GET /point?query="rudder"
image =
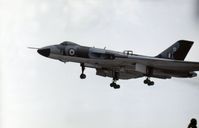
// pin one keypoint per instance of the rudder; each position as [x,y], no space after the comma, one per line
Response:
[178,51]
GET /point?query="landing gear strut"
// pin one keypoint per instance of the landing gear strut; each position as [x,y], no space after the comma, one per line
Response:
[149,82]
[82,76]
[115,79]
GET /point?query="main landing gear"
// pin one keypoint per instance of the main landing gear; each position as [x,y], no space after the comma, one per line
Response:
[114,85]
[82,76]
[115,79]
[149,82]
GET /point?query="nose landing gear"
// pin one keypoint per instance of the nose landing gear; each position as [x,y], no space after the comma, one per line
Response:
[149,82]
[82,76]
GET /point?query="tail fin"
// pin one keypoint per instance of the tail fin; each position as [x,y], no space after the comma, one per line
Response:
[177,51]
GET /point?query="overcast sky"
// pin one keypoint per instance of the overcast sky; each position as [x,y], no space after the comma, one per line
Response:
[37,92]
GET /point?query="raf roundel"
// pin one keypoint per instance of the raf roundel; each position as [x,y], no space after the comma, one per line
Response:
[71,52]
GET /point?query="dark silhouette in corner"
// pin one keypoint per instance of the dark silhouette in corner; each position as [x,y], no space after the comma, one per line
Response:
[192,123]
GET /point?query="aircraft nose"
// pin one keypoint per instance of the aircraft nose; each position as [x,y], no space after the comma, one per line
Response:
[44,52]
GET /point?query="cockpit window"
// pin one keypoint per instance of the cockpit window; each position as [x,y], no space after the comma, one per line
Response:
[128,52]
[67,43]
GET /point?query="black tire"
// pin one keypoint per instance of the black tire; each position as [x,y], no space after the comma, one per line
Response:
[82,76]
[116,86]
[146,81]
[112,85]
[151,83]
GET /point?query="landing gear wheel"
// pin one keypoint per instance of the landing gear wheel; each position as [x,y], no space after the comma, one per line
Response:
[114,85]
[151,83]
[82,76]
[148,82]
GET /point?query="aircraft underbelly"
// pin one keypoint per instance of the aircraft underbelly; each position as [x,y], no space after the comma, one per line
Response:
[122,74]
[126,69]
[104,67]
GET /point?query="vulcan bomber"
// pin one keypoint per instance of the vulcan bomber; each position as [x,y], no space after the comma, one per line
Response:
[126,65]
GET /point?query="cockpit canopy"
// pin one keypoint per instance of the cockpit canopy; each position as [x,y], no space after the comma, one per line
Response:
[128,52]
[68,43]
